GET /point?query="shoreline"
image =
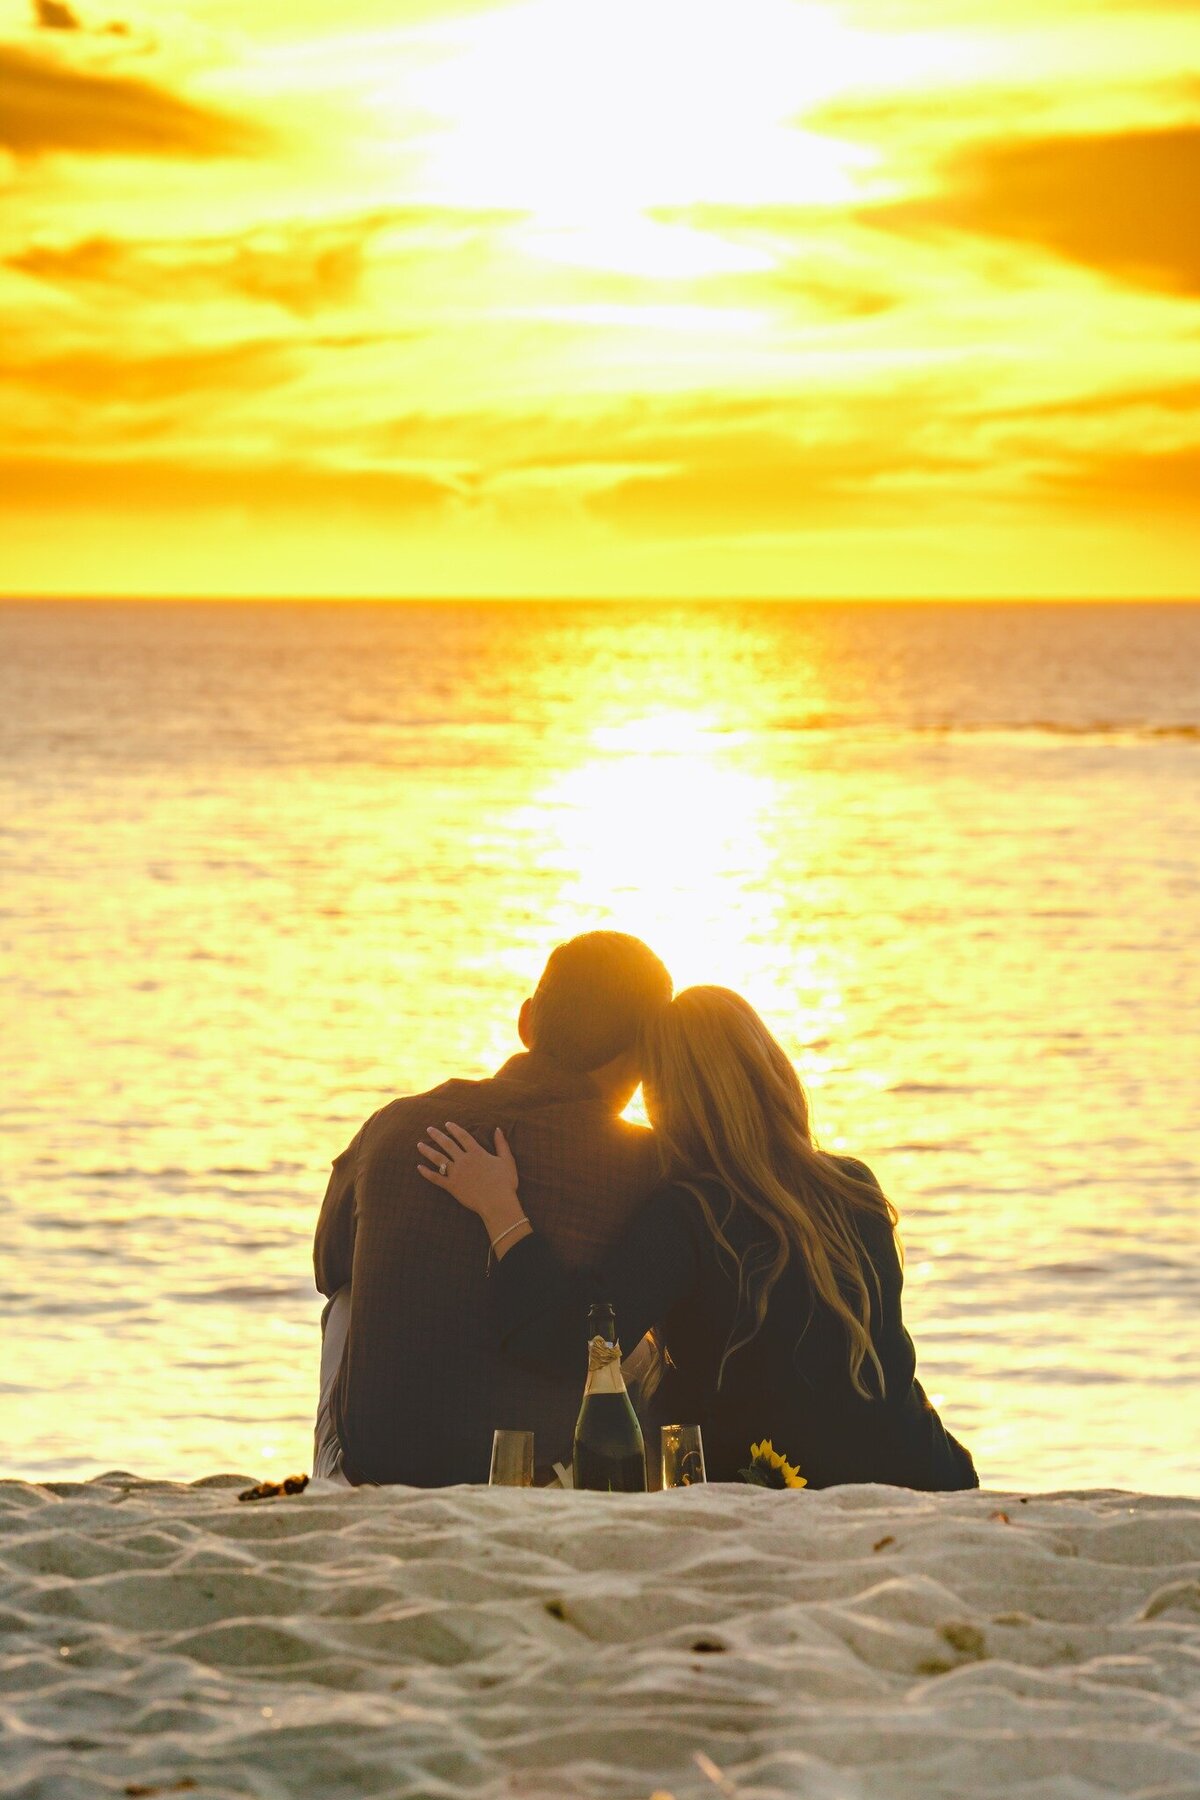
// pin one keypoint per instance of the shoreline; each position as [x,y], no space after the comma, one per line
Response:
[859,1643]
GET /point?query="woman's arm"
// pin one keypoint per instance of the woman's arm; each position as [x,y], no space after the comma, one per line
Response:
[539,1307]
[484,1184]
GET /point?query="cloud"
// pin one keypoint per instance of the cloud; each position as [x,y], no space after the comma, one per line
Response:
[665,471]
[842,299]
[52,15]
[711,467]
[808,247]
[102,378]
[47,107]
[1132,480]
[1123,203]
[300,266]
[158,485]
[302,271]
[897,117]
[762,481]
[762,467]
[99,260]
[1172,398]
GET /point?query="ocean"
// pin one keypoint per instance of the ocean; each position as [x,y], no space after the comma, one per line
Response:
[265,866]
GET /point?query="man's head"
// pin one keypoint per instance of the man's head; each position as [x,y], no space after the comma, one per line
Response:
[596,994]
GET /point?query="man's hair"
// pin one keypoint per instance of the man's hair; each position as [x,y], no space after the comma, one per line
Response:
[596,995]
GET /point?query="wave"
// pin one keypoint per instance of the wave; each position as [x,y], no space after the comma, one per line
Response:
[1105,731]
[131,1172]
[1100,730]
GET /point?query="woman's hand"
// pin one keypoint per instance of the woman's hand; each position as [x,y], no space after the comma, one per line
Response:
[483,1183]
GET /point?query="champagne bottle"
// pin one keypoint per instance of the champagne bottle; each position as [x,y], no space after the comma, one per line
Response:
[609,1453]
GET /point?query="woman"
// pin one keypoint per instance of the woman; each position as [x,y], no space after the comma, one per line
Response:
[768,1270]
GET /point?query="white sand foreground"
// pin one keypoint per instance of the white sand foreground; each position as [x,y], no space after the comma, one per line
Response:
[861,1644]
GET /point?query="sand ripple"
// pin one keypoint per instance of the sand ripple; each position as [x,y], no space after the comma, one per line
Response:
[862,1644]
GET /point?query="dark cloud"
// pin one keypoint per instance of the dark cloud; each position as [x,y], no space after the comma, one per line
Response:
[712,467]
[1124,203]
[302,272]
[157,485]
[1133,480]
[842,299]
[702,470]
[302,267]
[302,278]
[113,378]
[46,106]
[767,481]
[52,15]
[1173,398]
[925,449]
[685,469]
[94,260]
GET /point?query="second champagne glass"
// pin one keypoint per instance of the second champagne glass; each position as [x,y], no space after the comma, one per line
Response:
[682,1456]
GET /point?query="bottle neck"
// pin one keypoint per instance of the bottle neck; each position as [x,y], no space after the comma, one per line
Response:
[602,1322]
[604,1368]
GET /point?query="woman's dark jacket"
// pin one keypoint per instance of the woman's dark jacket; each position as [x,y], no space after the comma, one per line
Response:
[790,1383]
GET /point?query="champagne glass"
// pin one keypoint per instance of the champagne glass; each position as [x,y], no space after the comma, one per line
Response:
[512,1459]
[682,1456]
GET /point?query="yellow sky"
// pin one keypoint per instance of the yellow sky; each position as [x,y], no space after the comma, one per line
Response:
[600,297]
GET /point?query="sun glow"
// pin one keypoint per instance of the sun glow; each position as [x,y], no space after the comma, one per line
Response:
[658,831]
[632,244]
[588,123]
[662,830]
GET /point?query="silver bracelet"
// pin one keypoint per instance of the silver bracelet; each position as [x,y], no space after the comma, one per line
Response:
[500,1237]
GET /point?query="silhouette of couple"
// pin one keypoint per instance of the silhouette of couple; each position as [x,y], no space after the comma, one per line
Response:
[465,1232]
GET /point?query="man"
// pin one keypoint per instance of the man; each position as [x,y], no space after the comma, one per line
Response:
[412,1384]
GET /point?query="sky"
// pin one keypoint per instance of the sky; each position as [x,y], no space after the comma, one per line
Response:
[642,298]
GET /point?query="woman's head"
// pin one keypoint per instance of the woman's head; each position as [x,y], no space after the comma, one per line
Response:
[727,1106]
[717,1085]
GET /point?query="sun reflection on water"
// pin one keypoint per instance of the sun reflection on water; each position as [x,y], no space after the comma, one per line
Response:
[228,946]
[667,829]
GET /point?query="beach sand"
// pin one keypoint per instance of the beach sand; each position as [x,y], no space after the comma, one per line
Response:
[701,1644]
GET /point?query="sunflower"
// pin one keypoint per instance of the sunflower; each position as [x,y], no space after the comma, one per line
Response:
[771,1470]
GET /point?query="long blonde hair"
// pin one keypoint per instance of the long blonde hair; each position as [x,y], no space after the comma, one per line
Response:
[726,1104]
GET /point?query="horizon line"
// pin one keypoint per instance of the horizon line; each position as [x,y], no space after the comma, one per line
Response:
[515,599]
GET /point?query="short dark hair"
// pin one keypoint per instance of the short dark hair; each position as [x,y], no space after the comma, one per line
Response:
[596,994]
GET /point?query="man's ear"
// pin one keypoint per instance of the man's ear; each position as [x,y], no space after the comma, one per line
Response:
[523,1023]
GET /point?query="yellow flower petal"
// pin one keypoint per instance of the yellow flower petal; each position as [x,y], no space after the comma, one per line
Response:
[766,1454]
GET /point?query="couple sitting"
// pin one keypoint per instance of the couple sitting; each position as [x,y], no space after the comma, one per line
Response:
[766,1271]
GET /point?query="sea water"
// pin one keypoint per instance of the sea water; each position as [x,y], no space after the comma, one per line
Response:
[266,866]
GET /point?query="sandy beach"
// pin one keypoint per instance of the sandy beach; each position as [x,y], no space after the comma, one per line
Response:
[863,1642]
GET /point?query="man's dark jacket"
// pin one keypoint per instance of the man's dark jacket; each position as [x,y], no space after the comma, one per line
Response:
[422,1385]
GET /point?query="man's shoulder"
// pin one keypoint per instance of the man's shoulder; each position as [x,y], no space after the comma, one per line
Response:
[456,1088]
[493,1099]
[549,1123]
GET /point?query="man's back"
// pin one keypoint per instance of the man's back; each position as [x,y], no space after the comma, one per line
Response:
[422,1386]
